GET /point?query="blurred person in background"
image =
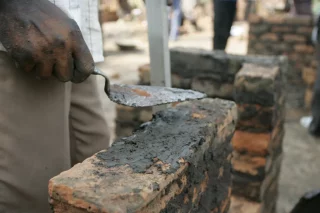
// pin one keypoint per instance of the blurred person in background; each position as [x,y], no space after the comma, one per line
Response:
[188,7]
[125,7]
[175,20]
[51,114]
[224,15]
[313,122]
[302,7]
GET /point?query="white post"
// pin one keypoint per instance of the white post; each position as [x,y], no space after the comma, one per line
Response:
[160,71]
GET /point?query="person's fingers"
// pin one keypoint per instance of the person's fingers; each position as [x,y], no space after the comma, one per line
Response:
[43,70]
[83,61]
[24,59]
[27,66]
[63,69]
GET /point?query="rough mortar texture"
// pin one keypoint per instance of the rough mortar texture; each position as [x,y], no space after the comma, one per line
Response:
[256,84]
[180,161]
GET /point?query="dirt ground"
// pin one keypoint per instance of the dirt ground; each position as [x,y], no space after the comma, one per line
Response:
[300,169]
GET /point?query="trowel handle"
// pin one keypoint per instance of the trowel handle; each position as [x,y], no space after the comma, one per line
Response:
[97,71]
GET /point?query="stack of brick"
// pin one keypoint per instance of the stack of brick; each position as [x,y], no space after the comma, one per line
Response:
[179,162]
[257,142]
[290,36]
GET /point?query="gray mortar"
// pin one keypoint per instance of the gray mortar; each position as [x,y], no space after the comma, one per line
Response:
[171,135]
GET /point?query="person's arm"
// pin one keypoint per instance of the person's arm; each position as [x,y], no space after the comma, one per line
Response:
[43,40]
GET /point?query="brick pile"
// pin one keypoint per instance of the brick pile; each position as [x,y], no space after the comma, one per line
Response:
[290,36]
[257,142]
[179,162]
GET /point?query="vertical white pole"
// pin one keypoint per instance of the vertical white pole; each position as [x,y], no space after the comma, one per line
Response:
[157,17]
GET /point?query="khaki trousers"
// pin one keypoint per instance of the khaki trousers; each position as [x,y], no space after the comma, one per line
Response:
[37,120]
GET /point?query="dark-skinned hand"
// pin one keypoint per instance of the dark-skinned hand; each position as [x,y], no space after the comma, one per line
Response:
[43,40]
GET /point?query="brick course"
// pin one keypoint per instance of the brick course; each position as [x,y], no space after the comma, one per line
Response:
[179,162]
[256,85]
[290,36]
[258,151]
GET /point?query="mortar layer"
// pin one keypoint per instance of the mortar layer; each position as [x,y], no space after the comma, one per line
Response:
[180,160]
[171,135]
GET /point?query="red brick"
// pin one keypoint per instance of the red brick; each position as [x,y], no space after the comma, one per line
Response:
[276,19]
[242,205]
[152,176]
[303,48]
[211,87]
[269,37]
[254,19]
[247,164]
[305,30]
[294,38]
[281,29]
[144,74]
[298,20]
[309,75]
[255,144]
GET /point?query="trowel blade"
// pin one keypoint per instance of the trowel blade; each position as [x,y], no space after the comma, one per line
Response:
[145,96]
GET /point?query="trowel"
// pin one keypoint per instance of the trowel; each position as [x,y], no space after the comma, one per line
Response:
[145,96]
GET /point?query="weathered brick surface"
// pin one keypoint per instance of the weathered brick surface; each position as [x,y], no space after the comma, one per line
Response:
[255,170]
[144,74]
[303,48]
[254,144]
[179,162]
[293,40]
[212,88]
[257,143]
[269,37]
[253,18]
[281,29]
[242,205]
[256,118]
[221,68]
[255,84]
[246,164]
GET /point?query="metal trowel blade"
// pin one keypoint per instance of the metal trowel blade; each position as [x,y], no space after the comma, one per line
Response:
[145,96]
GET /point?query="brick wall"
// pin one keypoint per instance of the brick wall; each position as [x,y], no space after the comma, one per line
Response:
[256,85]
[178,162]
[289,36]
[257,142]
